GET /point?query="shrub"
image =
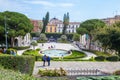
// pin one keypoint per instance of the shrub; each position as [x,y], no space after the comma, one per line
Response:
[39,41]
[62,39]
[38,49]
[100,58]
[35,53]
[38,58]
[23,64]
[57,35]
[55,72]
[6,74]
[43,37]
[8,51]
[112,58]
[31,52]
[117,72]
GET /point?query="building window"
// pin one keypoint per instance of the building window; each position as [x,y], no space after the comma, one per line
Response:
[59,30]
[73,27]
[55,29]
[50,29]
[69,31]
[73,31]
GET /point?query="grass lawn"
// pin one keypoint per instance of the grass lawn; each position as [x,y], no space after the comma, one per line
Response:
[98,53]
[75,56]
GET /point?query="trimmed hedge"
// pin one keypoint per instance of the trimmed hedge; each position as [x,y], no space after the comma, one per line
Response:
[100,58]
[24,64]
[112,58]
[34,53]
[58,35]
[8,51]
[21,48]
[7,74]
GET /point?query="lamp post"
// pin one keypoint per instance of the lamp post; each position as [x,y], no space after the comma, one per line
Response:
[5,33]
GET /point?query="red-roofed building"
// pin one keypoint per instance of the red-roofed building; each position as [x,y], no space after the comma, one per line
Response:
[37,25]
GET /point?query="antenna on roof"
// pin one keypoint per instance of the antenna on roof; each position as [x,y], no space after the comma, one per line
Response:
[116,12]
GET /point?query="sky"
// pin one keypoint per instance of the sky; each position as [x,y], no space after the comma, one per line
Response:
[79,10]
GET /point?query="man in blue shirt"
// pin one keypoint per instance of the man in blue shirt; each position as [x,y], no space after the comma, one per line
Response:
[44,59]
[48,60]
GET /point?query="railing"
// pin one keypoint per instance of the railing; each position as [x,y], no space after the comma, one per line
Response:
[83,72]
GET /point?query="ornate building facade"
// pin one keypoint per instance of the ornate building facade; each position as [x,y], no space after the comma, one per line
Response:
[56,26]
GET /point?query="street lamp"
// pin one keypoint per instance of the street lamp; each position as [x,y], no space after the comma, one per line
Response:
[6,32]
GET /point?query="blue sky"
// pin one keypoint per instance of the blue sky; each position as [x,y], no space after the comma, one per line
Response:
[79,10]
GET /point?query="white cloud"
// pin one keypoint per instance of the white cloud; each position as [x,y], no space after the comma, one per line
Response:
[50,4]
[12,6]
[66,4]
[44,3]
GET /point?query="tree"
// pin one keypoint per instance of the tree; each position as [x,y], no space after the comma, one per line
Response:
[103,36]
[63,39]
[17,25]
[76,37]
[45,22]
[114,37]
[65,22]
[81,31]
[34,43]
[43,37]
[110,38]
[89,26]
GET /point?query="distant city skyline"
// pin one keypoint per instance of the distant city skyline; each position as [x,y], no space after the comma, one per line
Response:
[79,10]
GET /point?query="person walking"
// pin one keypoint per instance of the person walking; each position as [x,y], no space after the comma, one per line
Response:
[44,60]
[48,60]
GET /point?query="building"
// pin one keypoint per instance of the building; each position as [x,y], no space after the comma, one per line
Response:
[52,25]
[37,25]
[22,40]
[56,26]
[51,28]
[112,20]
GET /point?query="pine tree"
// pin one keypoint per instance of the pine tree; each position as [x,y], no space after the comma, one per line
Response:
[45,22]
[65,22]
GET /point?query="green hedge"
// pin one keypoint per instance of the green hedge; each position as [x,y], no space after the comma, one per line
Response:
[58,35]
[39,41]
[21,48]
[100,58]
[112,58]
[31,52]
[8,51]
[34,53]
[98,53]
[7,74]
[24,64]
[117,72]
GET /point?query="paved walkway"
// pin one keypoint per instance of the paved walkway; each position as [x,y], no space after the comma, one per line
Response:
[108,67]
